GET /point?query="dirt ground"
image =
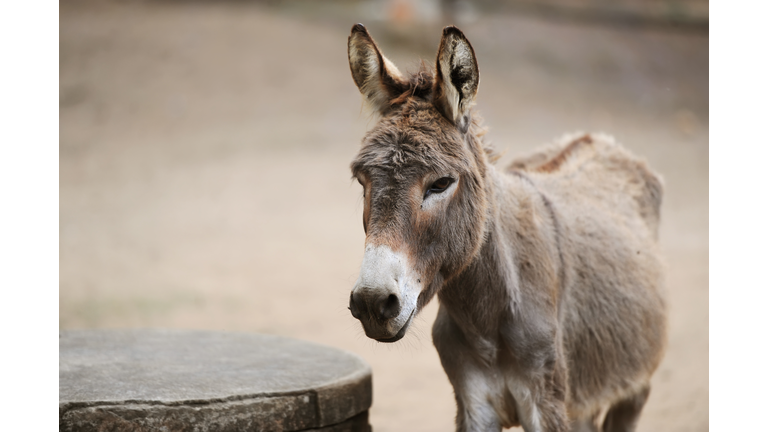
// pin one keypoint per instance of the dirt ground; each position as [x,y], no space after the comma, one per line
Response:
[204,179]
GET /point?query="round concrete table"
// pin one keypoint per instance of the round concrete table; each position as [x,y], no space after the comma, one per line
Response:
[208,381]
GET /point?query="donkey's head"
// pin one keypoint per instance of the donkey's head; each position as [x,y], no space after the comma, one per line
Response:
[423,172]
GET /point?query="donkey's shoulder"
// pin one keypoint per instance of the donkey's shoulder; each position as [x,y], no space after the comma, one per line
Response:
[596,164]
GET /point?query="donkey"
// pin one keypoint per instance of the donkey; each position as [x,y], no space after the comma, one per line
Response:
[547,273]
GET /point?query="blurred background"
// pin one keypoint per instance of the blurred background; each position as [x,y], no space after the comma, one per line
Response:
[205,149]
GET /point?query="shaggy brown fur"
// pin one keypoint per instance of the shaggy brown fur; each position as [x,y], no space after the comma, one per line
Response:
[548,275]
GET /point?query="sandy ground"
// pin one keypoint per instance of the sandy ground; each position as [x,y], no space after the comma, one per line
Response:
[204,178]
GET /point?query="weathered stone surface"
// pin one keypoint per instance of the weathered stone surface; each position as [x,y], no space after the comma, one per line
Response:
[358,423]
[207,381]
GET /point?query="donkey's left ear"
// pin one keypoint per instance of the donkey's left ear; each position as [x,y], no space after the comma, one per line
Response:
[457,78]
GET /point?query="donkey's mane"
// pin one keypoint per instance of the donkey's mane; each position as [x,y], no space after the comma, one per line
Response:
[418,84]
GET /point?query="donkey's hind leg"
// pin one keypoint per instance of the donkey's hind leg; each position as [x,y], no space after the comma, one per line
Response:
[624,414]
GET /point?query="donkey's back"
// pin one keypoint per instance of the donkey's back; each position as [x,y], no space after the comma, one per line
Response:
[597,169]
[607,205]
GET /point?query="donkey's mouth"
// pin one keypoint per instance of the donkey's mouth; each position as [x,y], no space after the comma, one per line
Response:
[402,330]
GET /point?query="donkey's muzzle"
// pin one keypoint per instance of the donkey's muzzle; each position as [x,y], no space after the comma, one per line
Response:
[371,305]
[384,297]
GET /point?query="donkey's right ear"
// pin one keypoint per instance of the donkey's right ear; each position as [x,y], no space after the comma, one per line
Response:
[377,78]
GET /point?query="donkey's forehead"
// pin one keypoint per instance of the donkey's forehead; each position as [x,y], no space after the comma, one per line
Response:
[412,139]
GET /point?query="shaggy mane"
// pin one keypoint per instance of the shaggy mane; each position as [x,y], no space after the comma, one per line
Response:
[419,85]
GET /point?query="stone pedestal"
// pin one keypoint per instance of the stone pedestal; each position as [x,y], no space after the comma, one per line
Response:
[148,380]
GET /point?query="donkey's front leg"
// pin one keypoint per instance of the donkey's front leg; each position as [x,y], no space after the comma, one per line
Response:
[477,387]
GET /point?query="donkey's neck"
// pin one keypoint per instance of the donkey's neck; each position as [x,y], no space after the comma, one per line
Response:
[520,233]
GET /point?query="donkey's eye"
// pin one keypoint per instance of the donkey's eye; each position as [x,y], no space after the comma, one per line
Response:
[439,186]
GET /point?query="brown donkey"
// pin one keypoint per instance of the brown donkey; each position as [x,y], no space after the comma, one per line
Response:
[548,275]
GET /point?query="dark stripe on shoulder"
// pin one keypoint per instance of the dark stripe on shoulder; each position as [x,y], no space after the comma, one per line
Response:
[555,226]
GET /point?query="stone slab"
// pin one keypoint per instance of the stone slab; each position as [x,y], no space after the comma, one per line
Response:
[198,380]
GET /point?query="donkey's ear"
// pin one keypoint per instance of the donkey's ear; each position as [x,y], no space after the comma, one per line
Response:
[457,77]
[377,78]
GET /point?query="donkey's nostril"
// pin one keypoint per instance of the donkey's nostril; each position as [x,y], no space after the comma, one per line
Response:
[353,307]
[381,307]
[389,307]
